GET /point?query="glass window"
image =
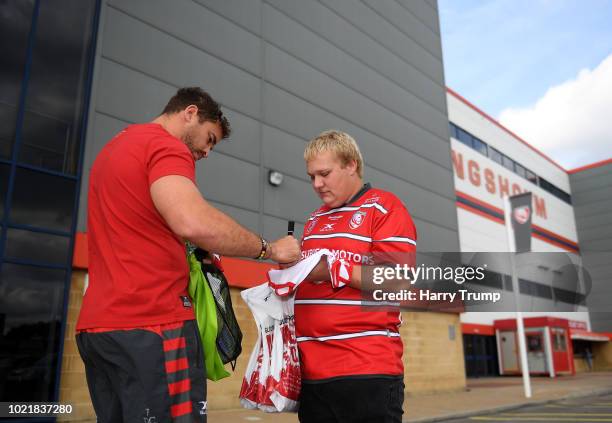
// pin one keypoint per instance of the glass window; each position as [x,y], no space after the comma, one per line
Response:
[15,22]
[453,130]
[54,103]
[5,171]
[559,343]
[531,176]
[37,247]
[534,343]
[42,200]
[520,170]
[479,146]
[464,137]
[495,155]
[31,309]
[507,162]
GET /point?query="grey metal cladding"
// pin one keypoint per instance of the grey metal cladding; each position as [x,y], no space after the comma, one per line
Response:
[586,175]
[194,24]
[281,108]
[597,180]
[130,95]
[598,231]
[230,181]
[284,70]
[596,245]
[411,93]
[431,237]
[407,23]
[594,221]
[137,46]
[591,209]
[244,13]
[352,40]
[293,200]
[585,196]
[378,28]
[420,202]
[274,228]
[284,151]
[247,218]
[424,12]
[321,90]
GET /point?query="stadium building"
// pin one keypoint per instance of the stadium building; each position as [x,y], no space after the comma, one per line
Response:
[490,162]
[79,71]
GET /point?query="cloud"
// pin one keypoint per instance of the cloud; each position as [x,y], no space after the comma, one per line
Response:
[571,121]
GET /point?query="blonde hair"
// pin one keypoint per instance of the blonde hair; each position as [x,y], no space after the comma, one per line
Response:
[340,143]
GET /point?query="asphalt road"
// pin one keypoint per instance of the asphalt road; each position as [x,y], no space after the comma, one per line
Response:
[588,409]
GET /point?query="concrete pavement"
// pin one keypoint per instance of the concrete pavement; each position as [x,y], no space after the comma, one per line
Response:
[481,395]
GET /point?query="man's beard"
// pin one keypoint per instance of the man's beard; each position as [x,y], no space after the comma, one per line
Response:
[190,142]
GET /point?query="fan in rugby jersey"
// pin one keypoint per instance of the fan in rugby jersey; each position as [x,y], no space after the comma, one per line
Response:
[351,356]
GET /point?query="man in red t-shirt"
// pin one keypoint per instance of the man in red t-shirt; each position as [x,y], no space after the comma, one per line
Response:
[136,330]
[350,350]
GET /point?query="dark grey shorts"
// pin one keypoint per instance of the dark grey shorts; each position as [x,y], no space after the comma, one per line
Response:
[139,376]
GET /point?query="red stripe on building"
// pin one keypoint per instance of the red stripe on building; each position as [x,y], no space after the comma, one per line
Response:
[554,235]
[479,213]
[479,202]
[174,366]
[574,246]
[181,409]
[556,244]
[477,329]
[179,387]
[174,344]
[591,166]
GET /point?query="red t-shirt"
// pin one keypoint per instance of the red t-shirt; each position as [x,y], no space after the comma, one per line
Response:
[138,270]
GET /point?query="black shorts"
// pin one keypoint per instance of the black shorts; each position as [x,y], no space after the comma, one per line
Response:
[139,375]
[353,400]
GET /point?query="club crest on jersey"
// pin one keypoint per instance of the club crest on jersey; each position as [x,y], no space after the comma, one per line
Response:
[311,226]
[357,219]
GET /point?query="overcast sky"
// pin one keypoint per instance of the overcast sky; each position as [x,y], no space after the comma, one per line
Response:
[543,68]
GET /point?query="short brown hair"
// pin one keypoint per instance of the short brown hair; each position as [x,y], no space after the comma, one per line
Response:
[340,143]
[208,109]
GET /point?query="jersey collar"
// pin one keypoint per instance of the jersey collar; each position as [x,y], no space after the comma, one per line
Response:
[365,188]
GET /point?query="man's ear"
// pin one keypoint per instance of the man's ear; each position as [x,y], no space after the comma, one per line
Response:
[352,167]
[190,113]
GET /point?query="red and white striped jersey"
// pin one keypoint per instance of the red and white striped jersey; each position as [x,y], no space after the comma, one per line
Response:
[337,336]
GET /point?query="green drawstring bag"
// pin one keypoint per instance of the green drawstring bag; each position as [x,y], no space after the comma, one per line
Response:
[206,315]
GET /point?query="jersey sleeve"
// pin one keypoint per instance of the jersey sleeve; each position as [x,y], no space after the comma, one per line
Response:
[394,236]
[168,156]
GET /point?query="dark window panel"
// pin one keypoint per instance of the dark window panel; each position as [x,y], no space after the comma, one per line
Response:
[15,22]
[37,247]
[5,170]
[31,306]
[531,176]
[54,102]
[43,200]
[495,155]
[507,162]
[520,170]
[453,130]
[535,289]
[464,137]
[480,146]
